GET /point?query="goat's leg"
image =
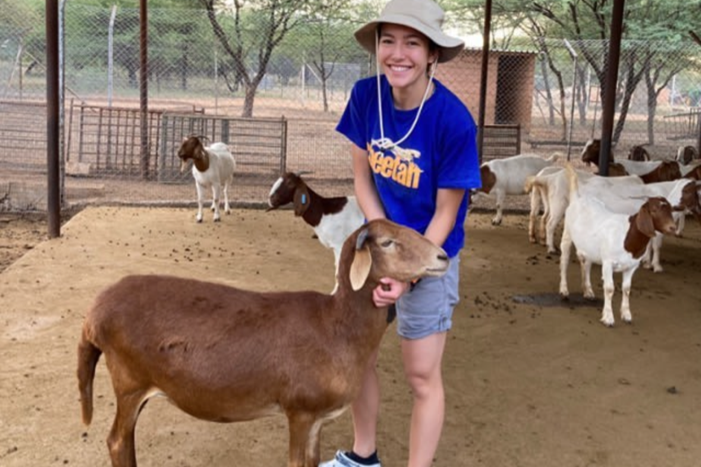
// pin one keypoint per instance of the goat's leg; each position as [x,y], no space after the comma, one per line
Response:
[200,197]
[227,208]
[565,246]
[546,214]
[216,198]
[651,258]
[500,202]
[680,224]
[626,316]
[301,426]
[585,273]
[555,215]
[120,441]
[607,276]
[533,215]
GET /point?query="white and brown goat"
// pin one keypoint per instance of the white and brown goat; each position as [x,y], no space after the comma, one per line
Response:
[213,167]
[650,171]
[332,218]
[224,354]
[507,176]
[615,241]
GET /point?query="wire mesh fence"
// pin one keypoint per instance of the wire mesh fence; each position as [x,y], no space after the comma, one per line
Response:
[206,70]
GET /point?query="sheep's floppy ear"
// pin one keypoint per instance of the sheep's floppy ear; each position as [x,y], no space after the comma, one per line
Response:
[644,223]
[301,200]
[360,267]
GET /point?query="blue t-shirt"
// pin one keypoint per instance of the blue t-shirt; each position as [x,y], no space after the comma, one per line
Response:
[441,152]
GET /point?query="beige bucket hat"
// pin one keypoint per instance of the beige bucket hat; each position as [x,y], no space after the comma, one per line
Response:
[423,15]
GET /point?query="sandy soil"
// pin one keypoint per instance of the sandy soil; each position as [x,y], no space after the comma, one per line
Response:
[530,381]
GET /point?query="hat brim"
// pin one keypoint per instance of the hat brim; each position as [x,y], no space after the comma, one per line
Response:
[450,46]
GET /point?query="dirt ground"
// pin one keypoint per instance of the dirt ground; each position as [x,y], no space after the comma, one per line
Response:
[530,381]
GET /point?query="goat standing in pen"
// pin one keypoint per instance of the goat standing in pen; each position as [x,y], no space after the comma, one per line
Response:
[507,176]
[616,241]
[213,167]
[224,354]
[333,219]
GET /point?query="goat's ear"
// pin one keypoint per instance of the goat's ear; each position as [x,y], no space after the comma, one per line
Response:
[301,200]
[362,261]
[644,223]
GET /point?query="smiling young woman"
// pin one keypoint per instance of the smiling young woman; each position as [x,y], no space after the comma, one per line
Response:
[414,159]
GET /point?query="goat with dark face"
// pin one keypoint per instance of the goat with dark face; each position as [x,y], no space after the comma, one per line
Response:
[638,153]
[213,167]
[332,219]
[686,154]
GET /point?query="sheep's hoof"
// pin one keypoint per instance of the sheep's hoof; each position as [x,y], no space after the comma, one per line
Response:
[199,221]
[496,221]
[217,219]
[565,297]
[608,324]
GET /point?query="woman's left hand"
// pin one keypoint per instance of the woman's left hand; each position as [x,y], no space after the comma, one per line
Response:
[388,292]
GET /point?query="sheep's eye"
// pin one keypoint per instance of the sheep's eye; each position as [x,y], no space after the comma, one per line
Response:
[386,243]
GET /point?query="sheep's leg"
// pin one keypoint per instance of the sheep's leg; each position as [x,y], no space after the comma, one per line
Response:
[607,275]
[565,246]
[120,441]
[500,202]
[216,195]
[200,198]
[626,316]
[301,426]
[585,273]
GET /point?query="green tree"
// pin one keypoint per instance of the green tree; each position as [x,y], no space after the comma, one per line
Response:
[249,31]
[587,24]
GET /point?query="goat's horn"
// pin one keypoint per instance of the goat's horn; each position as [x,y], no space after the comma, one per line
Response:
[362,237]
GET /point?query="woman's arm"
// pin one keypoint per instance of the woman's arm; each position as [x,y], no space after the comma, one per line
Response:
[447,205]
[364,185]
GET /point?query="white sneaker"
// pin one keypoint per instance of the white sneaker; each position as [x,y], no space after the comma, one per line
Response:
[341,460]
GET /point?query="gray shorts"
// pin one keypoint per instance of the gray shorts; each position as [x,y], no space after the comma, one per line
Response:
[428,308]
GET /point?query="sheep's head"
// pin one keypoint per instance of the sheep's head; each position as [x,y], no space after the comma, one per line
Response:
[287,189]
[382,248]
[191,148]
